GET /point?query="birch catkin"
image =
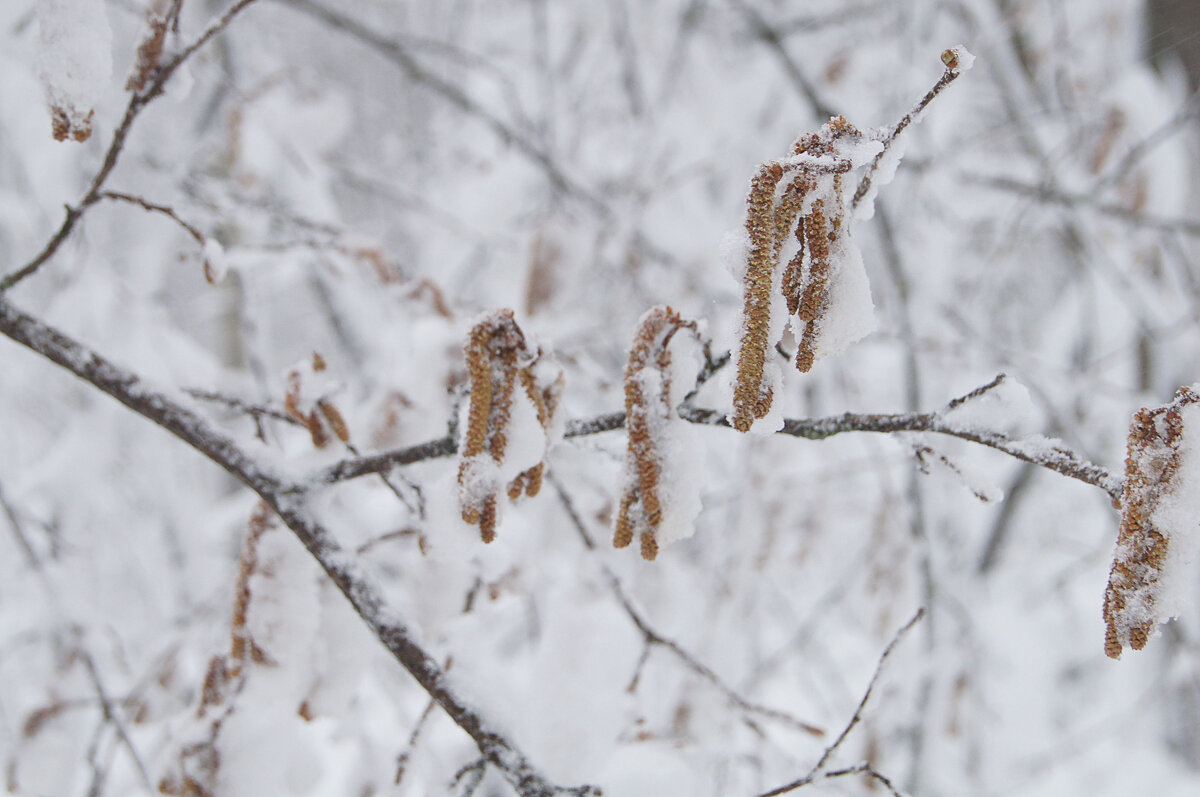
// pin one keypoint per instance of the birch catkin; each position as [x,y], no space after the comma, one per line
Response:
[799,200]
[498,359]
[1134,588]
[648,412]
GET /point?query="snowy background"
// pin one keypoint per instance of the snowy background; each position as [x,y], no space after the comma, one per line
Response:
[363,180]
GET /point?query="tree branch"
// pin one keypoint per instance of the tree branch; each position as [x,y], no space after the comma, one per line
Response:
[1036,449]
[815,772]
[290,501]
[654,638]
[138,100]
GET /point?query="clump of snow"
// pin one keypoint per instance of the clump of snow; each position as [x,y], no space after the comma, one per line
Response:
[850,316]
[1178,516]
[960,57]
[884,172]
[216,265]
[74,62]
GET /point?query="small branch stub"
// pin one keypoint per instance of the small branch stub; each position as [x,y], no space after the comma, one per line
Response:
[499,358]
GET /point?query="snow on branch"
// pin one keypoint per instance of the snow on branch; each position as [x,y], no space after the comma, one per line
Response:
[661,498]
[1046,452]
[1160,516]
[507,432]
[290,502]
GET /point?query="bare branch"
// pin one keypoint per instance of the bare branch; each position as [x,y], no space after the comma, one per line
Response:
[864,185]
[399,55]
[165,210]
[653,638]
[1053,196]
[815,772]
[112,716]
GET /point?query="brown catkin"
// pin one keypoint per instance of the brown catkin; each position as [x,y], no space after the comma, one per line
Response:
[1151,462]
[641,508]
[498,358]
[748,400]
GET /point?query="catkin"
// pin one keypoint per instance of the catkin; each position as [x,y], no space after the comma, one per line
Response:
[649,365]
[749,401]
[498,359]
[772,215]
[1151,462]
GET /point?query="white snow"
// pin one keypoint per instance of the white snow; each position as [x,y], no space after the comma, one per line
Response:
[74,59]
[1178,517]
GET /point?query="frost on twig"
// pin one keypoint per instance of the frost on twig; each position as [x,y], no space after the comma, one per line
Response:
[500,448]
[1160,512]
[800,264]
[660,499]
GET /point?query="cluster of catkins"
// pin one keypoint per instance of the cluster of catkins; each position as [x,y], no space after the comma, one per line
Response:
[498,359]
[653,427]
[1152,464]
[796,240]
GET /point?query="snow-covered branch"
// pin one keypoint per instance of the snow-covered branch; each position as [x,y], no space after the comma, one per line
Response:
[290,501]
[1045,452]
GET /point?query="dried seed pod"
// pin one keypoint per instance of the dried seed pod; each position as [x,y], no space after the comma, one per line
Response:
[649,409]
[1134,584]
[498,357]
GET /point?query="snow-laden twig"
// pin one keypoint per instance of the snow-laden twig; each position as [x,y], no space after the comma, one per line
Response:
[290,502]
[1042,451]
[956,60]
[138,100]
[815,772]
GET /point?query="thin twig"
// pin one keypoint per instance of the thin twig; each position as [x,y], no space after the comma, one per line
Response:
[113,716]
[138,100]
[1053,196]
[18,530]
[165,210]
[1050,454]
[815,771]
[864,185]
[398,54]
[653,638]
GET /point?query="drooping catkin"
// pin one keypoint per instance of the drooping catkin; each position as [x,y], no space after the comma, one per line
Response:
[498,359]
[649,410]
[799,198]
[1135,581]
[749,400]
